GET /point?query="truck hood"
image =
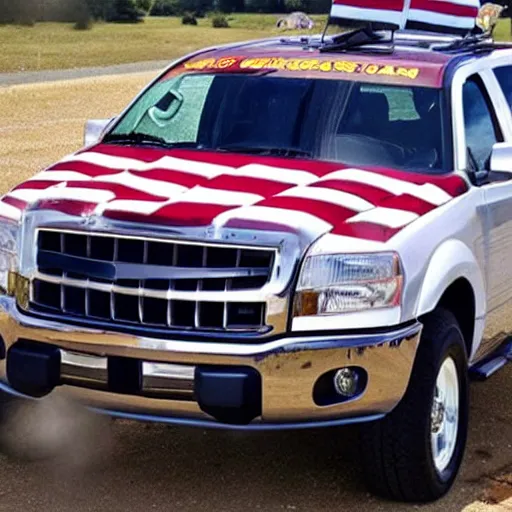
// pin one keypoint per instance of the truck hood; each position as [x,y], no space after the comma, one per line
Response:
[183,188]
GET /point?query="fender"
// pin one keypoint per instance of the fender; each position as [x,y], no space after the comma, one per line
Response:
[453,260]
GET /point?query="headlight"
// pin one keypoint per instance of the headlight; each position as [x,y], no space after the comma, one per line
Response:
[8,251]
[331,284]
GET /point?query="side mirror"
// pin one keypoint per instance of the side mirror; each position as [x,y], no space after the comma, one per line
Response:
[166,109]
[94,129]
[501,160]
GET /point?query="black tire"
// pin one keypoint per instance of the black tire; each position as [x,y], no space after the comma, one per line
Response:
[396,451]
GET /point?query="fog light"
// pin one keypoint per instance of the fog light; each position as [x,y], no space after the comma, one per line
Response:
[346,382]
[340,385]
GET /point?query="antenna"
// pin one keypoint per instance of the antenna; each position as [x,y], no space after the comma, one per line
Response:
[324,33]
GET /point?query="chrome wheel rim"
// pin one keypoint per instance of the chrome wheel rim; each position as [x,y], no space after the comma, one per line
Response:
[444,422]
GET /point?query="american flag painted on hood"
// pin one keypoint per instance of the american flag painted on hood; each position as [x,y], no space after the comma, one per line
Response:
[434,15]
[181,188]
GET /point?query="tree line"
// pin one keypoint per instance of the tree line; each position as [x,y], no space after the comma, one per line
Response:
[177,7]
[28,12]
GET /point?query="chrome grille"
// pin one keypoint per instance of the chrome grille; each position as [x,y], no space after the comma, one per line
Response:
[150,282]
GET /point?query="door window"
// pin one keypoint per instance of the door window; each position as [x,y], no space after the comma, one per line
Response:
[480,124]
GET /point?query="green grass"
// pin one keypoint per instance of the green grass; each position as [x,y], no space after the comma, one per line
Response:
[503,32]
[59,46]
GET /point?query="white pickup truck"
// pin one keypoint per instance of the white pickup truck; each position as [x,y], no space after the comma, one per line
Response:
[280,234]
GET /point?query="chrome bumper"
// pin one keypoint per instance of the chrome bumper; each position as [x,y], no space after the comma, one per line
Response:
[289,369]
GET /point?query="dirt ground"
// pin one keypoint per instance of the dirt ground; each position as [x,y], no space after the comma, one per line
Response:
[154,467]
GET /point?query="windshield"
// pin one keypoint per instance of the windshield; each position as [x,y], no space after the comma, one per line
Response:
[337,120]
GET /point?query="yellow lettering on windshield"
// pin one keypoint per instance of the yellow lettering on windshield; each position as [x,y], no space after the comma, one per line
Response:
[304,65]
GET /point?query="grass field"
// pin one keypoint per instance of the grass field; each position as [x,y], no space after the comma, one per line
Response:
[40,123]
[59,46]
[503,31]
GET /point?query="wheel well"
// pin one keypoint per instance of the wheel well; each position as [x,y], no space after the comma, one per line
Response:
[459,299]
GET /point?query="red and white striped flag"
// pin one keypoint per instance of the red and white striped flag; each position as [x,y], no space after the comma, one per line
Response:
[386,12]
[443,16]
[453,16]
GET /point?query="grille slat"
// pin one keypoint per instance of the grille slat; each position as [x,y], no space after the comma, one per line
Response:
[198,286]
[141,283]
[87,296]
[112,305]
[169,305]
[87,300]
[112,294]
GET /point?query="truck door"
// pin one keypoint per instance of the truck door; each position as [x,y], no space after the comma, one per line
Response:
[484,126]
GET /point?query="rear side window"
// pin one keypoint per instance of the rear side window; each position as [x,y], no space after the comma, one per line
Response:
[504,76]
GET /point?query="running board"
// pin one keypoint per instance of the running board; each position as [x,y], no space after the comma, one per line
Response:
[489,366]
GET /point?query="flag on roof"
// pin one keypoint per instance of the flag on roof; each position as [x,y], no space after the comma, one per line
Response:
[451,16]
[385,12]
[443,16]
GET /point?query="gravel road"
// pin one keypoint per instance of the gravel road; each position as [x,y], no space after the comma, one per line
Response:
[32,77]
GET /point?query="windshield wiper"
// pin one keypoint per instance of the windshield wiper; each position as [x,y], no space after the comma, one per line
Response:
[264,150]
[146,139]
[136,138]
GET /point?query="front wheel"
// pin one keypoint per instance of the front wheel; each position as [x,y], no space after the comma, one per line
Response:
[415,453]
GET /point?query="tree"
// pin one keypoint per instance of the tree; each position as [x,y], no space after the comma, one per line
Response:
[24,12]
[83,18]
[230,5]
[262,5]
[144,5]
[199,7]
[166,8]
[6,11]
[294,5]
[125,11]
[100,9]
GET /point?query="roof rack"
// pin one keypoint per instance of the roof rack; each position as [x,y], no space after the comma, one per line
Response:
[367,40]
[383,37]
[471,44]
[423,39]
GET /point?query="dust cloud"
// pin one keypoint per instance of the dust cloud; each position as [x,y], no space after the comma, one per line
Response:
[63,434]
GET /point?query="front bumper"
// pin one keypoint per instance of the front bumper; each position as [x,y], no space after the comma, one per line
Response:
[288,368]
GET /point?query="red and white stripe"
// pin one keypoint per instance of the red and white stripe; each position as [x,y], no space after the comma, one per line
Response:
[329,195]
[147,185]
[428,192]
[239,192]
[381,11]
[10,212]
[268,217]
[166,162]
[455,14]
[387,217]
[435,15]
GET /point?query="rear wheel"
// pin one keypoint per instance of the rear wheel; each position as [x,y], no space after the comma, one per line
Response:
[415,453]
